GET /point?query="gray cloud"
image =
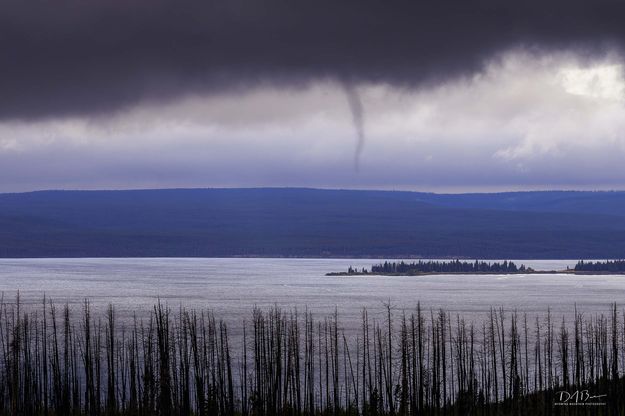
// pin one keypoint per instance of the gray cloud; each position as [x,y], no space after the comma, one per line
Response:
[526,121]
[68,57]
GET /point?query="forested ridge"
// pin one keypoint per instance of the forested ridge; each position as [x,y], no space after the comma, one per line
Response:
[276,222]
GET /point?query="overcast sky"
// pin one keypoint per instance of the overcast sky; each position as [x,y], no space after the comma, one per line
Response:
[439,96]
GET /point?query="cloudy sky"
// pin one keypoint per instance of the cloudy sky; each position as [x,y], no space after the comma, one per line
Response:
[439,96]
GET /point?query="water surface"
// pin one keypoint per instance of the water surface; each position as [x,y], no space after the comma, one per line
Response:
[232,287]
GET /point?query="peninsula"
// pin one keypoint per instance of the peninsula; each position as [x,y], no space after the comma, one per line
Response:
[430,267]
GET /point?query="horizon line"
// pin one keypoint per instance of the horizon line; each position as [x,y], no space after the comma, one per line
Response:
[321,188]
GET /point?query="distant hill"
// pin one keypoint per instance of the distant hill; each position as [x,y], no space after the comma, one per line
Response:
[312,223]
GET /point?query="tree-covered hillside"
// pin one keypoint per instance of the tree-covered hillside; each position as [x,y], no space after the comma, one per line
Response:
[307,222]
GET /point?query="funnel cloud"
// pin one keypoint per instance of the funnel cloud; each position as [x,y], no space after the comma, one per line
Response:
[443,95]
[355,106]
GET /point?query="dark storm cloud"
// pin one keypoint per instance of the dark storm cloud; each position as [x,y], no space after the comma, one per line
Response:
[63,58]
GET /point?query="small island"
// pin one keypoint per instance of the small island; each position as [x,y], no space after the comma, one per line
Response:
[429,267]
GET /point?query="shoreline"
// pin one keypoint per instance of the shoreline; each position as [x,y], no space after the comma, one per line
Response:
[570,271]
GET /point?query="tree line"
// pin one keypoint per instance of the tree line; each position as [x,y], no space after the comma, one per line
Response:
[455,266]
[617,266]
[59,361]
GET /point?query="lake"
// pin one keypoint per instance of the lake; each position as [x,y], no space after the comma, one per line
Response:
[232,287]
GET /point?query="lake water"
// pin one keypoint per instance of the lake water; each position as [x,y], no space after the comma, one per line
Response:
[232,287]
